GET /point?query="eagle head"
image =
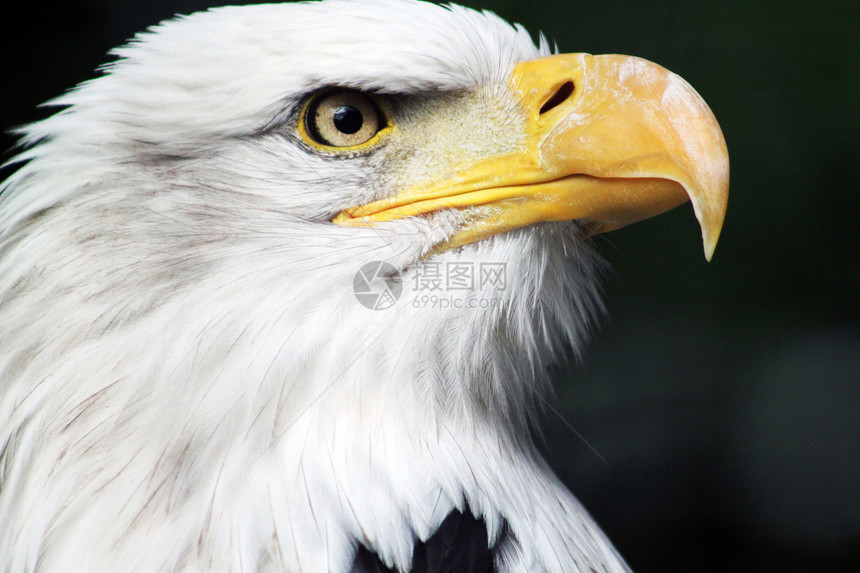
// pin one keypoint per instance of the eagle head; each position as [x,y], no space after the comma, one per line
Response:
[279,289]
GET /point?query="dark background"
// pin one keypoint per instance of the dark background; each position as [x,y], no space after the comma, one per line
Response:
[714,424]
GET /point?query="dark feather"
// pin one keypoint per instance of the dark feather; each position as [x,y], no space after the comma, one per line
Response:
[460,545]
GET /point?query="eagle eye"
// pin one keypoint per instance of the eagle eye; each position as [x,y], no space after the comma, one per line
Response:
[342,118]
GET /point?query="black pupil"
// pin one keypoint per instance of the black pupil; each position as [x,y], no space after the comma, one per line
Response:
[347,119]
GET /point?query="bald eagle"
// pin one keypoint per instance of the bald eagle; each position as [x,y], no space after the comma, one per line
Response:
[189,377]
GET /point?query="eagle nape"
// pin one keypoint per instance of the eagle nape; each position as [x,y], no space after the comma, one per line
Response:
[280,289]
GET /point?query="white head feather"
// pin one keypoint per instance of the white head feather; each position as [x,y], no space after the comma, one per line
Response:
[187,381]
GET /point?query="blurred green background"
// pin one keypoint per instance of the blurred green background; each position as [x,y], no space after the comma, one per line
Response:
[714,424]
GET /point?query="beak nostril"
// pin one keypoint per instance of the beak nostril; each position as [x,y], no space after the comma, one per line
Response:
[561,94]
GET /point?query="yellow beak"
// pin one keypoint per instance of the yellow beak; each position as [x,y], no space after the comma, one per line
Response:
[610,140]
